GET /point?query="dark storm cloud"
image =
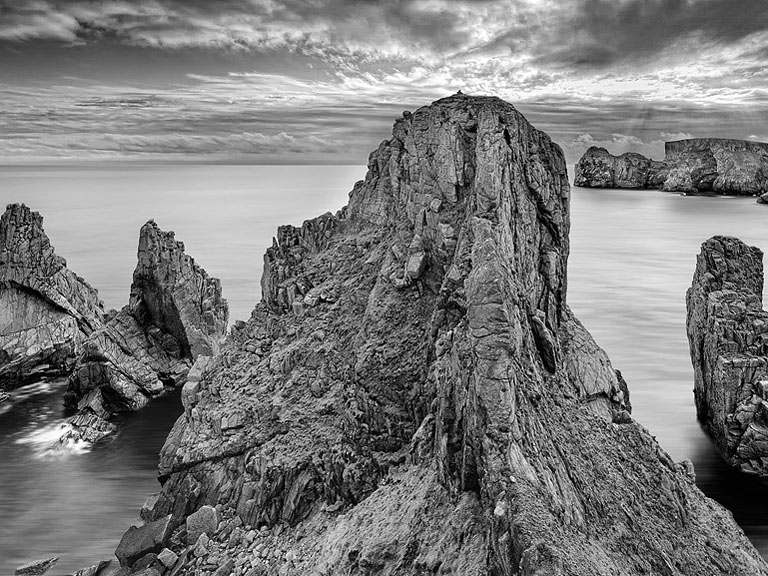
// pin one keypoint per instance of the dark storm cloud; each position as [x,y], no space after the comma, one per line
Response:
[603,32]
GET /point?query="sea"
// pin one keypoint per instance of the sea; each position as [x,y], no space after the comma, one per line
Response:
[633,253]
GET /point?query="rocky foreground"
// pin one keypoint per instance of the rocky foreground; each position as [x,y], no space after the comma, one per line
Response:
[414,396]
[53,324]
[728,335]
[697,165]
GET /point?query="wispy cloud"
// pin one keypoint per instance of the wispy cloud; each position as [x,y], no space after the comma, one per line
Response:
[324,78]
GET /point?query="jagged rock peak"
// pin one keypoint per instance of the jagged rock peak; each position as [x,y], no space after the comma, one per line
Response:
[27,259]
[176,293]
[46,310]
[414,396]
[728,336]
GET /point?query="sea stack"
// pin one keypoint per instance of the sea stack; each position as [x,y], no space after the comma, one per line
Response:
[695,166]
[46,310]
[176,314]
[728,335]
[414,396]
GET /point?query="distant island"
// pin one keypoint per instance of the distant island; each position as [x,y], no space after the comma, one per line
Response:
[694,166]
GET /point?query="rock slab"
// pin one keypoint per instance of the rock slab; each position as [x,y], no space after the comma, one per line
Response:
[728,336]
[696,165]
[142,540]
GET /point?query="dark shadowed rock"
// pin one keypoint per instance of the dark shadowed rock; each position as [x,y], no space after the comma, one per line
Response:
[728,335]
[176,312]
[36,567]
[414,396]
[46,310]
[138,542]
[696,165]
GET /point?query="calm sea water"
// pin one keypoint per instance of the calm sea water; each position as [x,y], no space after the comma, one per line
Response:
[632,258]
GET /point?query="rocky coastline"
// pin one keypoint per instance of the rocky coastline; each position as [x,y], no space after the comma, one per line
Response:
[413,394]
[54,325]
[693,166]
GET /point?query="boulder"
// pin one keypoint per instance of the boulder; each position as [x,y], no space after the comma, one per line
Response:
[728,336]
[140,541]
[204,521]
[46,310]
[36,567]
[695,165]
[92,570]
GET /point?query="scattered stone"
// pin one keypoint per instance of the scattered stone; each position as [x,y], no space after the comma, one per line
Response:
[167,557]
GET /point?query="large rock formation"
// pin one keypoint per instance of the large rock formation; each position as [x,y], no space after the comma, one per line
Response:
[697,165]
[175,314]
[728,336]
[414,396]
[46,310]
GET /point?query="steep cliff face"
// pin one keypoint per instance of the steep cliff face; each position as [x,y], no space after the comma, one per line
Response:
[46,310]
[696,165]
[176,313]
[728,335]
[414,396]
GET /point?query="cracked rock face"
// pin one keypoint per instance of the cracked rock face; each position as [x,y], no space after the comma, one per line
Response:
[176,313]
[46,310]
[414,396]
[696,165]
[728,335]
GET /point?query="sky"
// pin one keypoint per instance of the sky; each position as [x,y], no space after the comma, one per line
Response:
[321,81]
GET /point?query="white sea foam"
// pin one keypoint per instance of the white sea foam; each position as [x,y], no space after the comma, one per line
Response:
[54,440]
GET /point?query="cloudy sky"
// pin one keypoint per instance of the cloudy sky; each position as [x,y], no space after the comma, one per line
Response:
[320,81]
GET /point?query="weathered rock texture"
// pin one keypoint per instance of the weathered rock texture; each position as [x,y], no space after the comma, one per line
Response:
[46,310]
[728,336]
[176,312]
[697,165]
[414,396]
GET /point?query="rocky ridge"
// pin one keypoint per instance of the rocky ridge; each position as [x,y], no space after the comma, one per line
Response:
[414,396]
[728,335]
[696,165]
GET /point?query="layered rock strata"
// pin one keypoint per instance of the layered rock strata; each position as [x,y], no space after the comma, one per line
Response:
[728,335]
[414,396]
[46,310]
[697,165]
[175,314]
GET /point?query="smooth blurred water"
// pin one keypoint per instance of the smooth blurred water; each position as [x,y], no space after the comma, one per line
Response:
[632,258]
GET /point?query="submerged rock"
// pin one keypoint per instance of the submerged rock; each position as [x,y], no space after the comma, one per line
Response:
[696,165]
[176,312]
[36,567]
[46,310]
[728,335]
[414,396]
